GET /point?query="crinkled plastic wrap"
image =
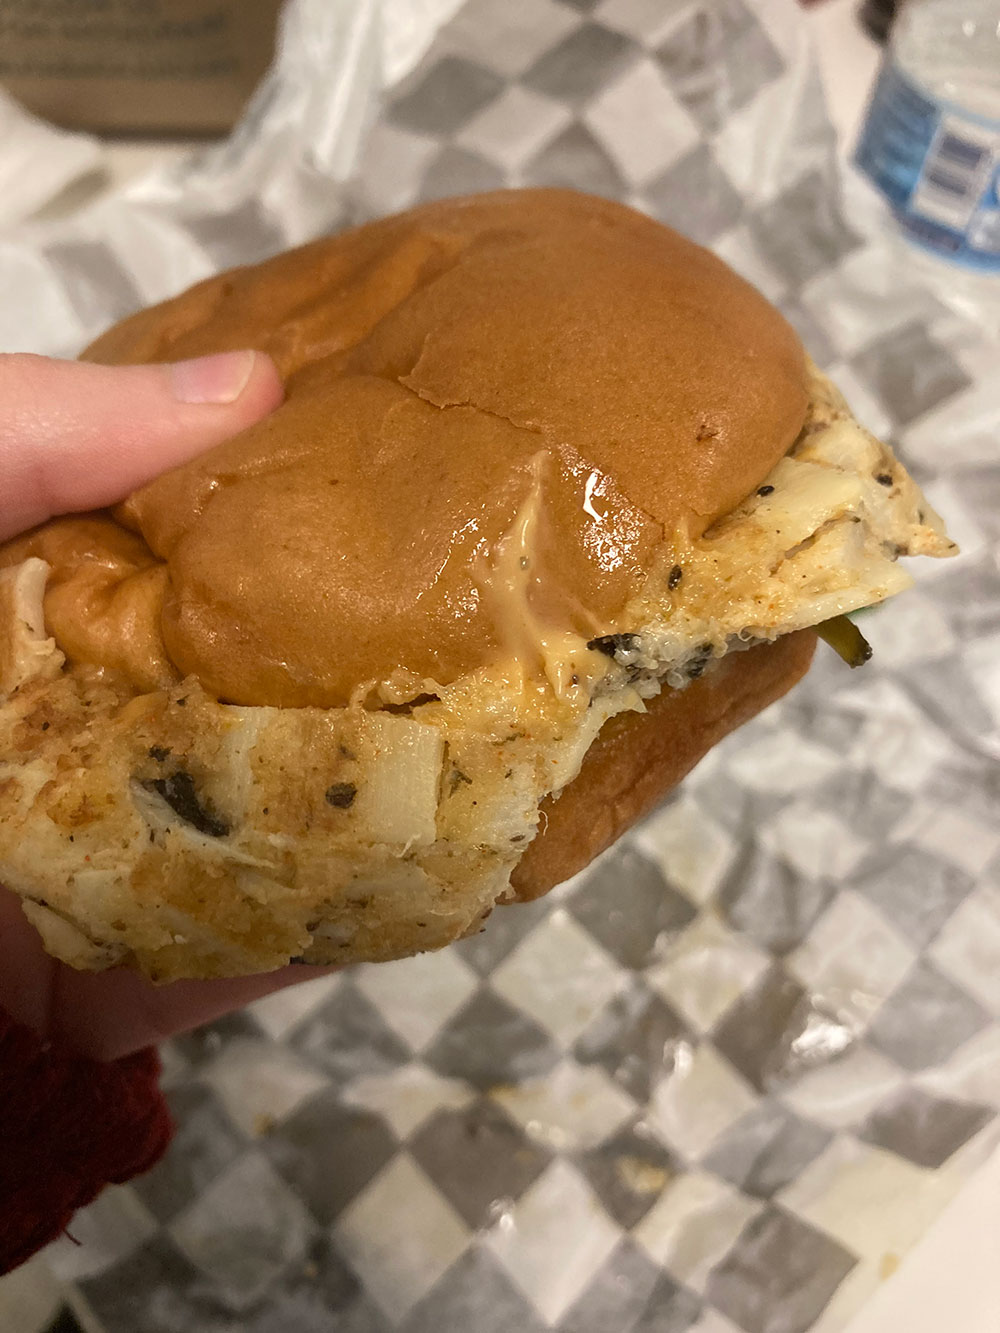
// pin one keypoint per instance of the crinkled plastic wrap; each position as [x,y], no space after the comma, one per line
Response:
[725,1078]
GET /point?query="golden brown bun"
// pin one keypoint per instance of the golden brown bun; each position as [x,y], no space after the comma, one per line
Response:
[639,757]
[429,358]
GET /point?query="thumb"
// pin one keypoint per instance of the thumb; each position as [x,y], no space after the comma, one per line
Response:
[75,436]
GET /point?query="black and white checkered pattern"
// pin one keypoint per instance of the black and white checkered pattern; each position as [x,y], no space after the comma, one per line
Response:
[714,1081]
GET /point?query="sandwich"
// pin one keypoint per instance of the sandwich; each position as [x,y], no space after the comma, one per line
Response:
[554,501]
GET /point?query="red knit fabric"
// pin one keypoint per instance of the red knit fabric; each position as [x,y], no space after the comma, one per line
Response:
[68,1127]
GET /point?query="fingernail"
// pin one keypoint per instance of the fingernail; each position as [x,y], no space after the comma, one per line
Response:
[211,379]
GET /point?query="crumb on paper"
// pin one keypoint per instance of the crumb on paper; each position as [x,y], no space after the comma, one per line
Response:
[888,1265]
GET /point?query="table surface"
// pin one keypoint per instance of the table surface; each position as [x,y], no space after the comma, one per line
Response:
[952,1278]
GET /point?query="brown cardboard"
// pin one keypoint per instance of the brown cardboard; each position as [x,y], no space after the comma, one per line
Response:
[136,66]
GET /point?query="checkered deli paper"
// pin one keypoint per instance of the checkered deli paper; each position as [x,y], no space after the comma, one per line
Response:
[724,1079]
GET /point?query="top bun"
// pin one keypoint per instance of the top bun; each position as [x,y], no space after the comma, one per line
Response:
[442,368]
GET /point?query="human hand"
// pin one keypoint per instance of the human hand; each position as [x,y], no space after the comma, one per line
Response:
[75,437]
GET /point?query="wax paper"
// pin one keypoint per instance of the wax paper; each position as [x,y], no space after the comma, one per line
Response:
[724,1079]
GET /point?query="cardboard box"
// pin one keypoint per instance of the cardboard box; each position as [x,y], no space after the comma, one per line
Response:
[136,66]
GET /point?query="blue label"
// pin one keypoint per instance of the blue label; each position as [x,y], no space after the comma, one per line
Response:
[938,167]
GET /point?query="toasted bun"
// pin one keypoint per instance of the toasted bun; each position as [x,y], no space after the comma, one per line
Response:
[428,359]
[306,695]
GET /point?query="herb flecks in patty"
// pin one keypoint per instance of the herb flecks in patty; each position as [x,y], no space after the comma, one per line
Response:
[341,795]
[180,793]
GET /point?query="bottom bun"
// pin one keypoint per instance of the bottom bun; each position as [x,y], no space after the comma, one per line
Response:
[639,757]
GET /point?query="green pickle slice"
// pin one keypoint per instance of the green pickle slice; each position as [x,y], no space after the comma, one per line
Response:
[846,640]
